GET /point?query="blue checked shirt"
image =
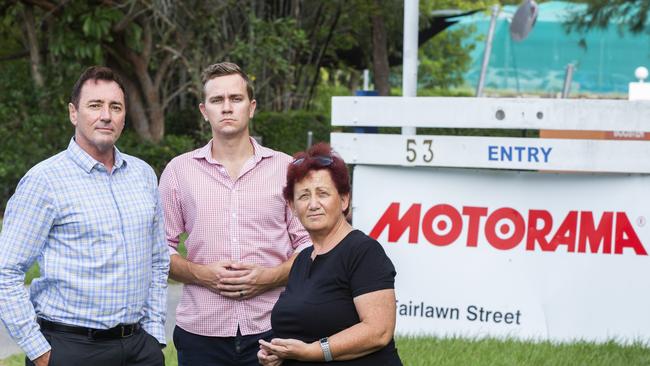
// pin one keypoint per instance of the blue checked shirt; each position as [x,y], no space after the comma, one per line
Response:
[100,243]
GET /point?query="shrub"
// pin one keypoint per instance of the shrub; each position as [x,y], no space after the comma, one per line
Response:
[157,155]
[34,125]
[287,131]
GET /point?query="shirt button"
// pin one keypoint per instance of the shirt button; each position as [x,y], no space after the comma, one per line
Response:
[234,215]
[234,240]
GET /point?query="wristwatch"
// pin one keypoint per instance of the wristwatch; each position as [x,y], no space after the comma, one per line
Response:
[325,346]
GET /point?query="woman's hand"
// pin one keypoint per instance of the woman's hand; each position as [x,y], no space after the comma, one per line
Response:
[268,359]
[292,349]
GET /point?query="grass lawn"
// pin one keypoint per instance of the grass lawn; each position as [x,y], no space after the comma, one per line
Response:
[435,351]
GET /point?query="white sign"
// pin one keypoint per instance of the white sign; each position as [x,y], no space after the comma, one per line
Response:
[494,152]
[512,254]
[504,113]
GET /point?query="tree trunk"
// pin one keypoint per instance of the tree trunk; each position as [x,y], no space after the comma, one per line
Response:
[136,110]
[379,52]
[353,81]
[183,81]
[146,105]
[32,42]
[156,118]
[321,54]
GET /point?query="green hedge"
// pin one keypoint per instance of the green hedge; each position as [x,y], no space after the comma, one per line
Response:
[34,125]
[157,155]
[40,136]
[287,131]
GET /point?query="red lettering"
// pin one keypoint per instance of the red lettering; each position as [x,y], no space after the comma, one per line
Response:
[518,231]
[595,235]
[566,233]
[626,237]
[397,226]
[474,214]
[454,231]
[539,234]
[505,228]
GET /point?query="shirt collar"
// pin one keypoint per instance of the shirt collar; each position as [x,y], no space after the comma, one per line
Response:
[87,162]
[259,152]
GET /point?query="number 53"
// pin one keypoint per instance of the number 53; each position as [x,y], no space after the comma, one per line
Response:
[412,149]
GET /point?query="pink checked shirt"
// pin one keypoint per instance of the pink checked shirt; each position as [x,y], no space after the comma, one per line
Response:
[244,219]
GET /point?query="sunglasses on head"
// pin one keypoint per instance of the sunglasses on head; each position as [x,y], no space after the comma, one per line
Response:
[322,160]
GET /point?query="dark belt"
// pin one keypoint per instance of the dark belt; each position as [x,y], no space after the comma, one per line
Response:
[117,332]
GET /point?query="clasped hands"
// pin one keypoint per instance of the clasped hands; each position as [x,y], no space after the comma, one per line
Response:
[235,280]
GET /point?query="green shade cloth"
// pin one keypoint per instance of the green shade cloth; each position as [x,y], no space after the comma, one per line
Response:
[538,63]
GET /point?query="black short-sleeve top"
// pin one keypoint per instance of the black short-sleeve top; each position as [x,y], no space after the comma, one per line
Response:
[318,299]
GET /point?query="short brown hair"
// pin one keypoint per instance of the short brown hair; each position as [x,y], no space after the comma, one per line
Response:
[94,73]
[224,69]
[306,161]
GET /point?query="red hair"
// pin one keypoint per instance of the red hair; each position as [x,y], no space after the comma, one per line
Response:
[337,169]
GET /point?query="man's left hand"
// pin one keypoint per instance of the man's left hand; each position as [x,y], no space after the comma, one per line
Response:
[254,281]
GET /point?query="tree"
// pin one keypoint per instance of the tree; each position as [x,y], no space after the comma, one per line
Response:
[630,14]
[161,47]
[124,35]
[380,52]
[444,55]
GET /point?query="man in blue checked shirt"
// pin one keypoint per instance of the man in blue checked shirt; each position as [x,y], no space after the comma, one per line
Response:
[91,217]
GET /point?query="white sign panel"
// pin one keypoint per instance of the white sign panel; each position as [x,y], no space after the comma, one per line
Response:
[505,113]
[512,254]
[494,152]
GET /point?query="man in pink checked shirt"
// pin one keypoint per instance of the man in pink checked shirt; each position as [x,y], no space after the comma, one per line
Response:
[242,237]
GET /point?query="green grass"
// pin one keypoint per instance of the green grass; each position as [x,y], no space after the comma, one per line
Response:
[455,351]
[489,352]
[32,273]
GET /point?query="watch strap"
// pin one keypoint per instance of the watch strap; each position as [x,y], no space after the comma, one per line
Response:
[325,346]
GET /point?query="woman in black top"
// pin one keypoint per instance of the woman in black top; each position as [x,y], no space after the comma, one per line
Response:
[339,303]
